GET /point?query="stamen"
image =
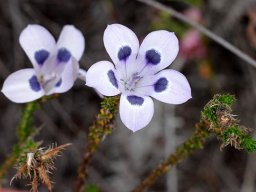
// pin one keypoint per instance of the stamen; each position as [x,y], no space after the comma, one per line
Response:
[131,83]
[50,81]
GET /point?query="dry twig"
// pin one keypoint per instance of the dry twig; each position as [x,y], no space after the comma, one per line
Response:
[38,165]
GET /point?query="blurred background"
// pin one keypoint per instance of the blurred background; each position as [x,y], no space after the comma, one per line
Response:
[125,158]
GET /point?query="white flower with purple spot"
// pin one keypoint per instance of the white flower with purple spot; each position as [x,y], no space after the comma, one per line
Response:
[55,64]
[138,73]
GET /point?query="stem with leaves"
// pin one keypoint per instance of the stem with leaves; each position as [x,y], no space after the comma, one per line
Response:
[24,132]
[101,127]
[216,118]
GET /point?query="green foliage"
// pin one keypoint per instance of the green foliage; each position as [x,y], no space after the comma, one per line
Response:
[165,21]
[216,118]
[233,130]
[25,138]
[91,188]
[218,103]
[110,104]
[24,129]
[28,145]
[209,113]
[101,127]
[225,99]
[225,125]
[248,143]
[103,124]
[235,136]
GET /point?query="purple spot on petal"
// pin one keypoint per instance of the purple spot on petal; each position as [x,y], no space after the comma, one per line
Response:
[135,100]
[58,83]
[41,56]
[112,78]
[63,55]
[153,57]
[34,84]
[124,53]
[161,84]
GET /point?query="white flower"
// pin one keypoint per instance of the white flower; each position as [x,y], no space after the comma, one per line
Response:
[138,73]
[55,64]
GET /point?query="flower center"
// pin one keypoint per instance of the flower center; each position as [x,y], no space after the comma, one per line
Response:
[48,81]
[130,83]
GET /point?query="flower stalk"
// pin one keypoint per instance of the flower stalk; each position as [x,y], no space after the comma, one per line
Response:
[102,126]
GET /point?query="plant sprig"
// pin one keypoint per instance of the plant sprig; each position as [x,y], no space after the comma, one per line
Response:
[216,118]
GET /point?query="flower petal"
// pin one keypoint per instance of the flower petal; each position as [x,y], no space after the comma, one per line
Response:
[121,43]
[38,44]
[101,76]
[171,86]
[157,51]
[73,40]
[22,86]
[56,64]
[136,112]
[67,78]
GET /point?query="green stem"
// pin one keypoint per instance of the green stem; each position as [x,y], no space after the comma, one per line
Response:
[101,127]
[24,130]
[216,118]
